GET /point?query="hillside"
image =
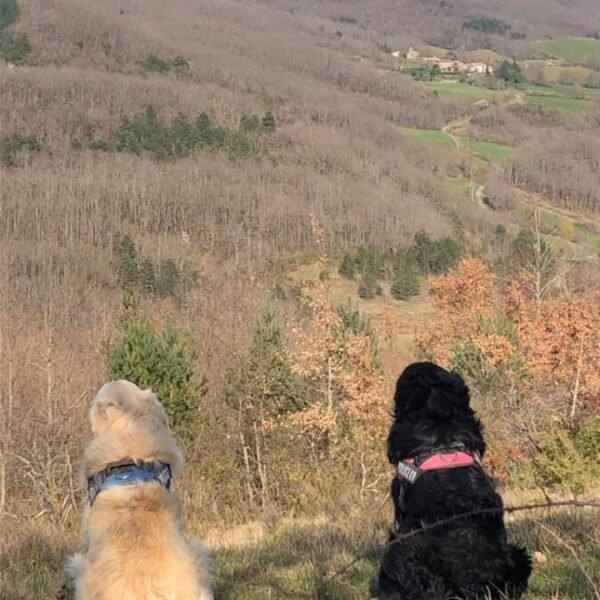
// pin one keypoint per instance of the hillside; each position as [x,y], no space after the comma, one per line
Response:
[256,191]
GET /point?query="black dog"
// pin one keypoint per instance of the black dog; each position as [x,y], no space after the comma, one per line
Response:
[436,443]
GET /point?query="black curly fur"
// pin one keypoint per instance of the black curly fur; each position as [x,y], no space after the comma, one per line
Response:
[469,558]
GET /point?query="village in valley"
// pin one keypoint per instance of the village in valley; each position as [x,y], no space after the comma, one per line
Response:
[444,65]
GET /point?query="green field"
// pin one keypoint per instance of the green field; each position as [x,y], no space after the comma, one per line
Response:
[558,103]
[591,237]
[570,230]
[563,90]
[461,91]
[459,185]
[574,49]
[432,136]
[489,151]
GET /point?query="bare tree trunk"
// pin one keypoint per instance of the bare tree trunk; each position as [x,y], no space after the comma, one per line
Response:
[246,456]
[329,387]
[577,382]
[247,465]
[2,482]
[262,474]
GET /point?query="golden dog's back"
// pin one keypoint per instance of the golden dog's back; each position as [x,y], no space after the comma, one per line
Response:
[137,551]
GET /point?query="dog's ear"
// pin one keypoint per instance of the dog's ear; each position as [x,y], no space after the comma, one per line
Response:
[158,410]
[107,407]
[104,411]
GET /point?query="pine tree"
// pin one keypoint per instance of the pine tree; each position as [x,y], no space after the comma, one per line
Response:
[405,282]
[369,288]
[259,387]
[204,129]
[347,268]
[151,133]
[263,378]
[167,279]
[127,262]
[147,277]
[182,135]
[435,256]
[126,138]
[164,361]
[249,123]
[354,322]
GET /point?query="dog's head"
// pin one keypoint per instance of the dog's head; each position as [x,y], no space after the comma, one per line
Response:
[431,409]
[425,386]
[121,405]
[128,422]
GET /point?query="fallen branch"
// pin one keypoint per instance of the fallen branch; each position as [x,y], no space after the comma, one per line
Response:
[454,518]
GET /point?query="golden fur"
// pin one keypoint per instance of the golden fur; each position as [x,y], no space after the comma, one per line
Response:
[135,549]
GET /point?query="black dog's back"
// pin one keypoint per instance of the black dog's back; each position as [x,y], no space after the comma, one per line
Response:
[434,553]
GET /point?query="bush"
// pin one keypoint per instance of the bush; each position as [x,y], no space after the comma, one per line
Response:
[588,442]
[14,47]
[529,250]
[557,462]
[435,256]
[510,72]
[98,143]
[180,63]
[164,361]
[12,145]
[152,62]
[250,123]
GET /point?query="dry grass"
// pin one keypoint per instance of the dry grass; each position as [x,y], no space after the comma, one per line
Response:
[310,558]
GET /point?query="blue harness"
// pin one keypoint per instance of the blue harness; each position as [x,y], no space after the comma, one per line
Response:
[128,472]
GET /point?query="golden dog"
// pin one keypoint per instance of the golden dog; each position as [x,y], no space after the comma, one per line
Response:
[132,530]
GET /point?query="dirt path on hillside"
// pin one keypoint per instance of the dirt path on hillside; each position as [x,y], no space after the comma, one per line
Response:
[450,128]
[534,200]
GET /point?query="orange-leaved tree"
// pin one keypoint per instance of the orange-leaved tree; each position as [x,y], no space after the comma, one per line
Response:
[345,417]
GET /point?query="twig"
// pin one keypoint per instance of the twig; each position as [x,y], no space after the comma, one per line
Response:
[483,511]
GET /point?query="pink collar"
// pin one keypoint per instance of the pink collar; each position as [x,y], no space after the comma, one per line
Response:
[411,468]
[446,459]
